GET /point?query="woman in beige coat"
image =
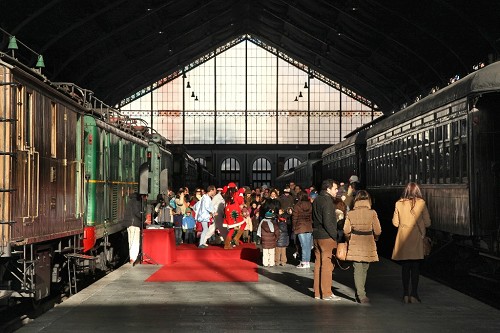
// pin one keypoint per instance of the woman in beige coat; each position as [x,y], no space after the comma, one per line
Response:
[361,229]
[411,217]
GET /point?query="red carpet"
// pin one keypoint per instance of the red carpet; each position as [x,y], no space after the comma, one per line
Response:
[213,264]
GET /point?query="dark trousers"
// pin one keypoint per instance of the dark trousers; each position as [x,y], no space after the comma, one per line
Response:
[189,236]
[410,271]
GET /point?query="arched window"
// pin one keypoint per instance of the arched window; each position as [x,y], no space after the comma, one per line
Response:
[230,171]
[201,160]
[291,163]
[261,172]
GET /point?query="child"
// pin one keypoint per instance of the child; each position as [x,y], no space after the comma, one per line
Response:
[254,215]
[269,233]
[283,240]
[188,225]
[248,227]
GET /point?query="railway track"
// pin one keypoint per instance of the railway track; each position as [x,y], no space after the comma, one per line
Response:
[17,315]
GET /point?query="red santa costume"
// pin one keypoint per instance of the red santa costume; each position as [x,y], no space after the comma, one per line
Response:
[232,214]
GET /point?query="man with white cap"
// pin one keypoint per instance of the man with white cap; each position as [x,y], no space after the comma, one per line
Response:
[352,190]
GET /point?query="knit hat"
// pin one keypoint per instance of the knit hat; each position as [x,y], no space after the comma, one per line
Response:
[269,214]
[231,185]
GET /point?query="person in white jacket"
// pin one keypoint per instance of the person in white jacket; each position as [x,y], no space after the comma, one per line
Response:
[205,211]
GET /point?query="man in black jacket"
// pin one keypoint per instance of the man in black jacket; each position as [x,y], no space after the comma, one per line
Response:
[133,218]
[325,236]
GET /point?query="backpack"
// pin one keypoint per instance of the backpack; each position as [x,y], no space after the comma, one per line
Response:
[172,203]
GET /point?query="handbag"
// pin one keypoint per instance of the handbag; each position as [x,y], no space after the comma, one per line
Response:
[341,253]
[426,241]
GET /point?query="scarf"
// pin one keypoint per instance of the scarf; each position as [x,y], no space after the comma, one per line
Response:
[269,223]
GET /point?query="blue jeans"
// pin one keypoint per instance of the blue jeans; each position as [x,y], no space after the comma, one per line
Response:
[305,240]
[178,235]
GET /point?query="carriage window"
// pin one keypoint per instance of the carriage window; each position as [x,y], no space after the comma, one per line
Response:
[431,169]
[53,130]
[27,119]
[455,130]
[455,171]
[463,161]
[446,130]
[463,128]
[439,134]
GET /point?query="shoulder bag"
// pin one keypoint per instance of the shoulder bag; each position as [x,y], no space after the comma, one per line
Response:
[427,242]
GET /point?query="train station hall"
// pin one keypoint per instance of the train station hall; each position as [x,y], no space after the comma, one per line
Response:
[249,165]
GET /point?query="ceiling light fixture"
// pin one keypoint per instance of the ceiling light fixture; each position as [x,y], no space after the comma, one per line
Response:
[296,99]
[300,93]
[306,86]
[188,85]
[192,94]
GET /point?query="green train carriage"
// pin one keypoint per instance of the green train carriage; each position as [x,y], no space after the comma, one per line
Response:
[112,161]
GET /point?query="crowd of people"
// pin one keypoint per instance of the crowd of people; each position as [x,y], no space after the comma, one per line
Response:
[308,221]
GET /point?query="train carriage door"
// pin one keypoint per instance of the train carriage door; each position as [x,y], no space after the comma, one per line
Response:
[72,164]
[26,171]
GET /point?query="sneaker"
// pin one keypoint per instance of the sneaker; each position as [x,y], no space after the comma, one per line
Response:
[332,297]
[202,246]
[317,297]
[365,300]
[303,265]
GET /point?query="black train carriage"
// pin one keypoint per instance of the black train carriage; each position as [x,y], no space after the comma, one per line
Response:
[185,169]
[205,177]
[285,178]
[448,143]
[345,159]
[41,185]
[306,173]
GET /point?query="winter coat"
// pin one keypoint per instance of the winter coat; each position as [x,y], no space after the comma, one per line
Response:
[286,201]
[180,205]
[268,238]
[324,219]
[409,244]
[361,228]
[283,239]
[302,217]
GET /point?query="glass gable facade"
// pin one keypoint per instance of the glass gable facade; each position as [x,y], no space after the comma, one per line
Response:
[250,93]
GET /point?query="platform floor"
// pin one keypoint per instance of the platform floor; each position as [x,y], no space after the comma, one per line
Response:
[282,301]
